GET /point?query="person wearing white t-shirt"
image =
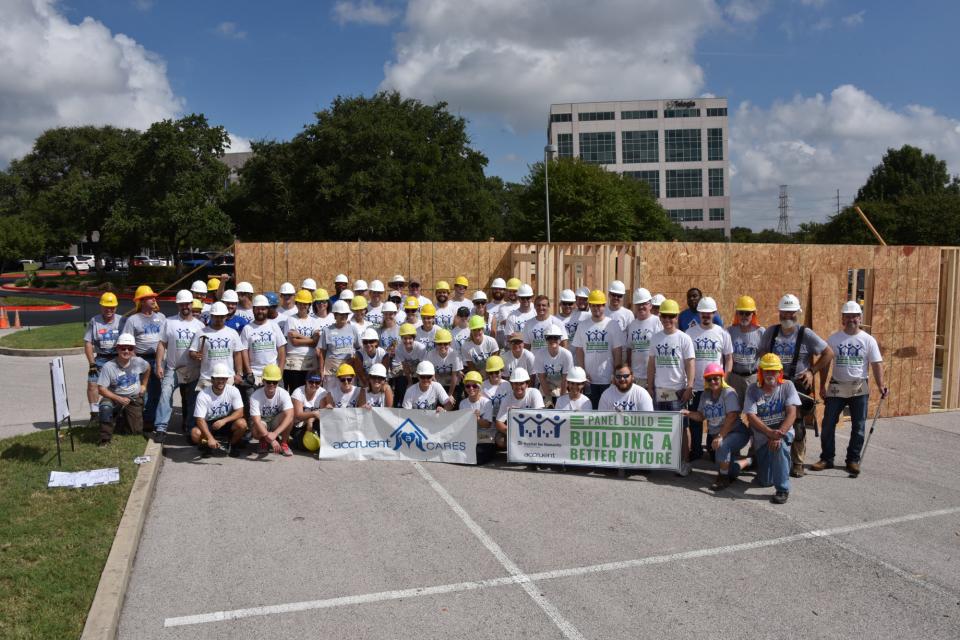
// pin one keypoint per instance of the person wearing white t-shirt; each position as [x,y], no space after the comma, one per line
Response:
[409,353]
[522,397]
[856,353]
[369,354]
[534,330]
[479,347]
[497,290]
[524,313]
[447,365]
[271,413]
[427,331]
[262,342]
[218,413]
[358,319]
[346,394]
[308,400]
[427,394]
[337,344]
[623,395]
[377,393]
[711,345]
[569,316]
[574,399]
[445,310]
[303,336]
[481,309]
[482,408]
[552,365]
[375,307]
[638,335]
[499,327]
[517,356]
[615,309]
[495,387]
[461,328]
[598,346]
[175,368]
[217,344]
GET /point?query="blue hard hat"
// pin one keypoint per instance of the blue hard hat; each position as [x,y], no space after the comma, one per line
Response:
[272,298]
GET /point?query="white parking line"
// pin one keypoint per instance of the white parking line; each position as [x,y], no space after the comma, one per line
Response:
[528,579]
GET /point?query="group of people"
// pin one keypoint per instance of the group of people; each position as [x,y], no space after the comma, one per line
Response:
[266,366]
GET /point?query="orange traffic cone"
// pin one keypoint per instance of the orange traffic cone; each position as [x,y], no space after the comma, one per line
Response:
[16,319]
[4,321]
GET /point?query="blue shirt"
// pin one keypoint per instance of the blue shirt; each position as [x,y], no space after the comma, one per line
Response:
[237,323]
[689,318]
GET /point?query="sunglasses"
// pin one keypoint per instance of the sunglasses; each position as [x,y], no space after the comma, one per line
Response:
[714,378]
[745,313]
[124,348]
[616,295]
[346,379]
[270,383]
[471,386]
[621,376]
[668,316]
[425,377]
[377,379]
[314,382]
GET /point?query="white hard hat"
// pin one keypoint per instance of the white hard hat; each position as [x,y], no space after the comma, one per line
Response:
[199,286]
[341,279]
[397,278]
[230,296]
[479,296]
[346,294]
[519,375]
[184,297]
[126,340]
[426,369]
[220,370]
[640,296]
[244,287]
[617,287]
[309,283]
[498,283]
[378,370]
[341,306]
[577,374]
[360,285]
[377,286]
[286,289]
[567,295]
[218,309]
[388,307]
[260,301]
[554,330]
[850,306]
[789,302]
[707,305]
[525,291]
[583,292]
[369,334]
[657,299]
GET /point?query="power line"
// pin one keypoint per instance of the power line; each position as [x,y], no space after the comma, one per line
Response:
[783,226]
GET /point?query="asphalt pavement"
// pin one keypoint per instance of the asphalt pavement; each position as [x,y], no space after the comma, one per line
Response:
[83,308]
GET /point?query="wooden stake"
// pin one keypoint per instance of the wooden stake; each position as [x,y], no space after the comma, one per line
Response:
[870,226]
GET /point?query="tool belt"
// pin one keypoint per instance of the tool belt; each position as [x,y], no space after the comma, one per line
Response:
[851,389]
[668,395]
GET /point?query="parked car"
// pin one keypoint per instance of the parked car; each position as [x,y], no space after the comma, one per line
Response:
[194,260]
[146,261]
[113,264]
[89,260]
[61,263]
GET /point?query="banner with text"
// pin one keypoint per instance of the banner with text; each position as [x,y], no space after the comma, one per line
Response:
[642,440]
[399,434]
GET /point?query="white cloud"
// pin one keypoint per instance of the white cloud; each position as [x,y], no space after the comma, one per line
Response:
[854,19]
[513,59]
[746,10]
[238,143]
[821,143]
[230,30]
[363,12]
[54,73]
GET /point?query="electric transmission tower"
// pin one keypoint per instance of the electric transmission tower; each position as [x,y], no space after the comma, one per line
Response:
[784,225]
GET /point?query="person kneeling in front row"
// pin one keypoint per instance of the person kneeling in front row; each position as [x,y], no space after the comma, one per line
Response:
[271,412]
[219,414]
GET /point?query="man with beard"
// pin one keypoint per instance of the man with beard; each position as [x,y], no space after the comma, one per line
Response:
[262,342]
[638,335]
[100,346]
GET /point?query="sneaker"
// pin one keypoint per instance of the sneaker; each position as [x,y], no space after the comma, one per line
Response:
[234,451]
[684,470]
[285,450]
[721,483]
[264,448]
[820,465]
[853,468]
[159,436]
[780,497]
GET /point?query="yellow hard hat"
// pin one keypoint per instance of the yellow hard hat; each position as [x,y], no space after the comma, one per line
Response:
[272,373]
[669,306]
[411,303]
[359,303]
[108,299]
[197,305]
[494,363]
[477,322]
[311,441]
[320,295]
[461,281]
[144,291]
[428,310]
[746,303]
[771,362]
[442,285]
[345,370]
[213,284]
[513,284]
[407,329]
[442,337]
[303,296]
[473,376]
[597,297]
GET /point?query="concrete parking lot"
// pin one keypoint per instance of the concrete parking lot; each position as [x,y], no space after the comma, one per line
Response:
[295,548]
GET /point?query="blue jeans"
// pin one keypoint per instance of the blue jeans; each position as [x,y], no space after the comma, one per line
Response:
[188,398]
[773,467]
[858,426]
[594,391]
[152,397]
[733,443]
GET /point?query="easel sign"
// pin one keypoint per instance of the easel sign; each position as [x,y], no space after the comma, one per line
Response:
[61,406]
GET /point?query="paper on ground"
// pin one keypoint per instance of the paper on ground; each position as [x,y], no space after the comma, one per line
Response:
[80,479]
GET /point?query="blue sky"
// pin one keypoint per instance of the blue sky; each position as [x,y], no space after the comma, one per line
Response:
[818,89]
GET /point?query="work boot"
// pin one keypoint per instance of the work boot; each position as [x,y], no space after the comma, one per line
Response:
[797,452]
[721,482]
[820,465]
[853,468]
[780,497]
[796,471]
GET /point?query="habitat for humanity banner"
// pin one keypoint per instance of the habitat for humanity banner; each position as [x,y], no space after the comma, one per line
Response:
[399,434]
[643,440]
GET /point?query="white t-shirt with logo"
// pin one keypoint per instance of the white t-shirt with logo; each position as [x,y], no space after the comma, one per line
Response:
[103,335]
[446,366]
[511,362]
[598,340]
[715,411]
[483,405]
[852,355]
[517,320]
[554,367]
[669,353]
[343,400]
[145,330]
[123,381]
[417,398]
[375,316]
[623,316]
[496,393]
[709,347]
[300,393]
[564,403]
[211,407]
[569,323]
[177,336]
[269,408]
[339,343]
[262,342]
[530,400]
[638,335]
[427,338]
[306,327]
[635,398]
[219,345]
[746,345]
[534,334]
[771,409]
[478,354]
[445,315]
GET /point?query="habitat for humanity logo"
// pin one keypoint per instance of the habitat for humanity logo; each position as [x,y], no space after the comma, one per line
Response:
[538,425]
[408,433]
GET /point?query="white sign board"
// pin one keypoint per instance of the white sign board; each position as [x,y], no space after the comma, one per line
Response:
[61,407]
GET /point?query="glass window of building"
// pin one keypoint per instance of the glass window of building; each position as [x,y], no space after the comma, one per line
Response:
[684,183]
[598,148]
[564,145]
[685,215]
[717,214]
[590,116]
[682,145]
[716,111]
[716,182]
[690,112]
[714,144]
[561,117]
[639,146]
[652,178]
[644,114]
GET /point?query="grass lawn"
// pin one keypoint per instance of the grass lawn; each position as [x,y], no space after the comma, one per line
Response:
[54,542]
[24,301]
[56,336]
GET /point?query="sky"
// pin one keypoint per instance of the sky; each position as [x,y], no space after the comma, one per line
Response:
[818,89]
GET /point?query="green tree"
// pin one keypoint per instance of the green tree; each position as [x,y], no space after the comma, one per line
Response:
[907,171]
[588,203]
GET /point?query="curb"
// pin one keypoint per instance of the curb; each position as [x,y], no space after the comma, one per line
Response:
[40,353]
[103,618]
[59,307]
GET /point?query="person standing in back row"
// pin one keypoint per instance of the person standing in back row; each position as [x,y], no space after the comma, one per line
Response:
[598,346]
